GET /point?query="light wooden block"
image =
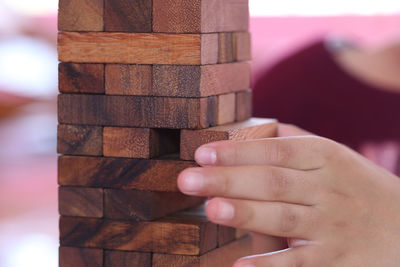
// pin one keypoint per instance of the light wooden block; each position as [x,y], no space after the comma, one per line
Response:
[251,129]
[138,48]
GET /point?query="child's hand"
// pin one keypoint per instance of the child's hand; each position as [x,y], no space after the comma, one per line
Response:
[336,208]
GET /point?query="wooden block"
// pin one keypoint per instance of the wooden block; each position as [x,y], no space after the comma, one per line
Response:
[122,79]
[200,16]
[251,129]
[223,257]
[226,51]
[137,111]
[138,48]
[139,142]
[128,15]
[226,108]
[242,46]
[225,235]
[80,15]
[244,105]
[82,202]
[182,236]
[141,174]
[200,81]
[80,257]
[81,78]
[80,140]
[145,205]
[126,259]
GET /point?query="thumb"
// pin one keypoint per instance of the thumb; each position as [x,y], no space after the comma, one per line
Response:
[291,130]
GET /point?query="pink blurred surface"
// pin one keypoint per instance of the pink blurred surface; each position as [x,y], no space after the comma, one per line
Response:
[276,37]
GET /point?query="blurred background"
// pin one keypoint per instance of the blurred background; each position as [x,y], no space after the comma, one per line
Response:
[28,90]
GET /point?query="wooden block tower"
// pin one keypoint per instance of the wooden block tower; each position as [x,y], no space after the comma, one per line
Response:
[144,83]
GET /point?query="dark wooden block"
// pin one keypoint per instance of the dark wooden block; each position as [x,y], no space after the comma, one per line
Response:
[250,129]
[226,51]
[200,16]
[145,205]
[141,174]
[136,111]
[80,15]
[128,15]
[222,257]
[138,48]
[80,140]
[242,46]
[126,259]
[226,108]
[122,79]
[80,257]
[139,142]
[244,105]
[225,235]
[173,235]
[81,78]
[200,81]
[82,202]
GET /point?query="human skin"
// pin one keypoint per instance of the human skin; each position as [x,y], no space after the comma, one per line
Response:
[335,207]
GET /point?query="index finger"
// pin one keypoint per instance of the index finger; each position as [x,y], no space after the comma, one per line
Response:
[302,153]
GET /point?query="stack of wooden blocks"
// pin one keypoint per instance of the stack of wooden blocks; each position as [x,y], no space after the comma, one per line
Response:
[143,84]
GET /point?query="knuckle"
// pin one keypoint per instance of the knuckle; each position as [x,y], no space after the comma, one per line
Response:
[227,186]
[278,152]
[289,220]
[278,185]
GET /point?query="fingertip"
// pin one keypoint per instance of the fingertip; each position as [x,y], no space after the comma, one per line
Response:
[190,181]
[220,211]
[206,155]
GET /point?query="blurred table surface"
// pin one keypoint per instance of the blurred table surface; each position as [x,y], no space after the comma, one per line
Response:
[28,187]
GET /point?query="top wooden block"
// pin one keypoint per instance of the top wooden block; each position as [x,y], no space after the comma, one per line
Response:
[200,16]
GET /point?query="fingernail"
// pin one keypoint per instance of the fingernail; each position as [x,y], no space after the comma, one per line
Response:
[192,182]
[226,211]
[206,156]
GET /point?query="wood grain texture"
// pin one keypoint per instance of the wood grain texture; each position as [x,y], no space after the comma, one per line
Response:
[80,140]
[242,46]
[224,15]
[80,257]
[222,257]
[128,15]
[171,16]
[139,142]
[226,52]
[80,15]
[126,259]
[145,205]
[244,105]
[250,129]
[137,48]
[136,111]
[182,236]
[226,108]
[123,79]
[82,202]
[200,81]
[81,78]
[225,235]
[141,174]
